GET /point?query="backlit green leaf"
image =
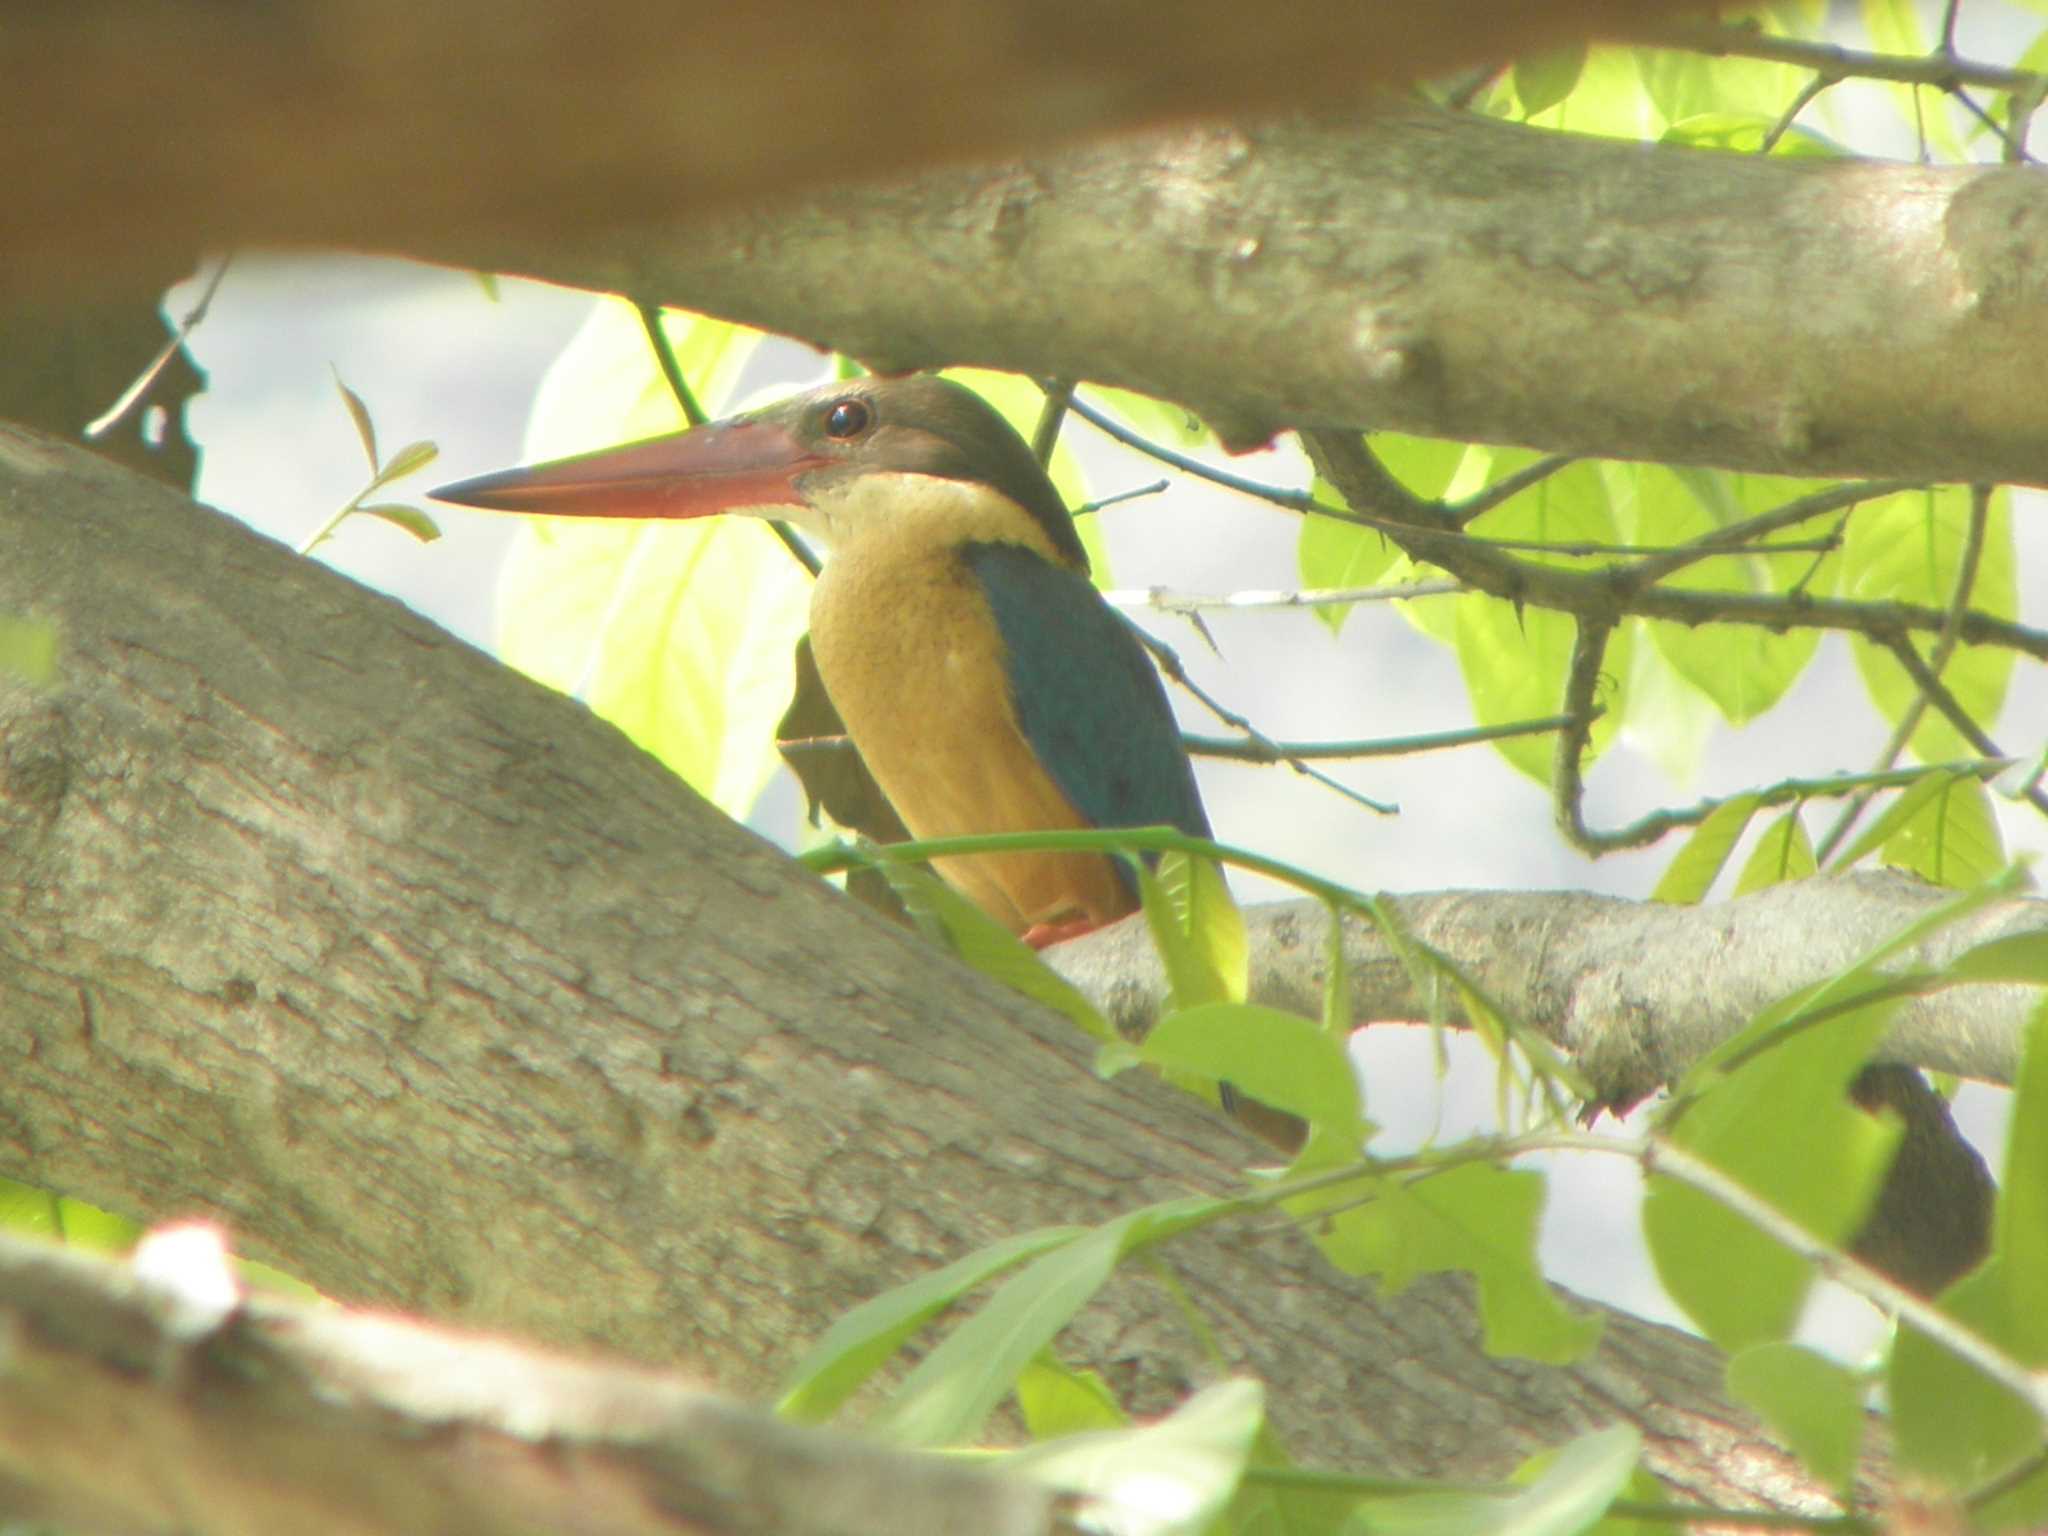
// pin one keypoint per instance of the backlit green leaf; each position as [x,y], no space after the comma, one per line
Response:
[1782,853]
[28,649]
[1058,1400]
[862,1341]
[988,946]
[1569,1496]
[1909,548]
[1953,840]
[1955,1426]
[1197,928]
[1689,877]
[1169,1478]
[1280,1059]
[679,634]
[950,1394]
[1477,1218]
[1814,1403]
[1543,80]
[1782,1127]
[412,519]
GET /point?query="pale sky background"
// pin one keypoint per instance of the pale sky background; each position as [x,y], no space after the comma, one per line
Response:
[434,357]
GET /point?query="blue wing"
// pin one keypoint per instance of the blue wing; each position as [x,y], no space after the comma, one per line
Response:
[1085,694]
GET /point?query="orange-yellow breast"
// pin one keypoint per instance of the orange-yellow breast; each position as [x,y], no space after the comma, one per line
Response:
[909,651]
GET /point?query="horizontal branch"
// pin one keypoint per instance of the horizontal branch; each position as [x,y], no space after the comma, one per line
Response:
[1635,991]
[262,1414]
[1436,274]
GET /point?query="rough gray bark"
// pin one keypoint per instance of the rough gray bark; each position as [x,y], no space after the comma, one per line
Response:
[442,995]
[1432,273]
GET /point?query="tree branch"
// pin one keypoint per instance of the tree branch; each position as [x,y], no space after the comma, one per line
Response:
[1435,274]
[272,1415]
[1634,991]
[443,995]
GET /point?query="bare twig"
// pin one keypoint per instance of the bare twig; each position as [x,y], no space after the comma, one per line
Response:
[1944,647]
[1943,71]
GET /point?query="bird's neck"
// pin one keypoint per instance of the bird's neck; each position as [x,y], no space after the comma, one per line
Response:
[888,521]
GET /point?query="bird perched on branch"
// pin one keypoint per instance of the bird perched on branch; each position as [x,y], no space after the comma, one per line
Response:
[980,674]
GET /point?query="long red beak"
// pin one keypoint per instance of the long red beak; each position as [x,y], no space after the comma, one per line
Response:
[733,466]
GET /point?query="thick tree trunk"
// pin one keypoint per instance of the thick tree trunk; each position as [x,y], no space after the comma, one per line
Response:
[444,996]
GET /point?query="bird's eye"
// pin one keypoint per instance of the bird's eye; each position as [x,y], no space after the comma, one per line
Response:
[848,418]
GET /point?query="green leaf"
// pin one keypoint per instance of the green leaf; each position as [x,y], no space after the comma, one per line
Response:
[1783,853]
[1665,717]
[680,634]
[2015,957]
[988,946]
[1425,466]
[1477,1218]
[409,460]
[1684,84]
[1569,1496]
[1908,548]
[359,417]
[1954,840]
[1545,79]
[1331,553]
[1954,1426]
[28,649]
[1197,928]
[1607,99]
[1815,1404]
[947,1398]
[1058,1400]
[1743,133]
[1170,1478]
[1781,1126]
[1897,27]
[24,1208]
[1692,874]
[412,519]
[1515,661]
[1911,802]
[862,1341]
[1280,1059]
[2022,1216]
[1745,669]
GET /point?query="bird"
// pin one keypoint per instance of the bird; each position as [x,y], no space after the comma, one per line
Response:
[980,674]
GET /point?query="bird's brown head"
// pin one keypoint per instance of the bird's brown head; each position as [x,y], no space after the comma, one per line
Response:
[800,459]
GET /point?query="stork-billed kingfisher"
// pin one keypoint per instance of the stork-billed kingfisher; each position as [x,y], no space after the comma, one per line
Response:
[980,674]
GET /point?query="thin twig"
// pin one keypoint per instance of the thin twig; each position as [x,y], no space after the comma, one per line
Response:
[1944,648]
[135,393]
[1942,71]
[1738,538]
[1508,487]
[1567,773]
[1169,663]
[1938,695]
[1051,416]
[665,359]
[1385,746]
[1307,597]
[1799,103]
[693,413]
